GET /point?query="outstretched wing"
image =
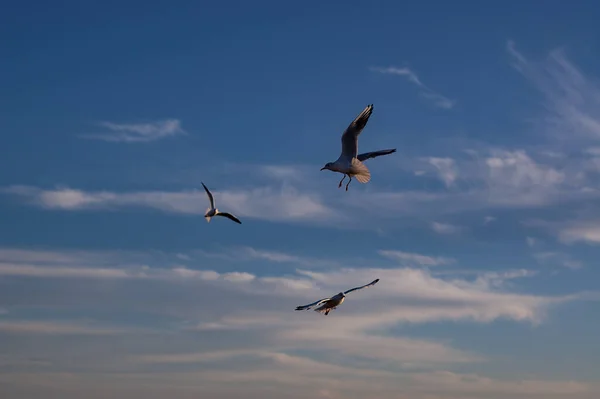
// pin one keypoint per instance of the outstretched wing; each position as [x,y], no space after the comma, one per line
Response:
[350,136]
[229,216]
[374,154]
[210,197]
[317,303]
[372,283]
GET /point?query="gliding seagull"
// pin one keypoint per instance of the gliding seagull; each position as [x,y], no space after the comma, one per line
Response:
[328,304]
[212,211]
[349,163]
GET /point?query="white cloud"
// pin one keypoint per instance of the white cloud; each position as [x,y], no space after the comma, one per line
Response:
[588,232]
[571,98]
[437,99]
[413,258]
[140,132]
[209,331]
[560,258]
[239,277]
[444,228]
[249,253]
[514,178]
[45,271]
[446,168]
[410,75]
[277,375]
[531,241]
[444,382]
[595,151]
[127,272]
[58,328]
[285,204]
[488,219]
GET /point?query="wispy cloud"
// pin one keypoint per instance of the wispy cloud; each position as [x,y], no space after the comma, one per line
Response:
[137,132]
[560,258]
[585,231]
[446,169]
[282,257]
[265,203]
[445,228]
[435,98]
[418,259]
[255,339]
[488,219]
[278,374]
[531,241]
[59,328]
[571,98]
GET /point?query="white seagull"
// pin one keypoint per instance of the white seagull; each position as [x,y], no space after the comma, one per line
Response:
[350,163]
[212,211]
[328,304]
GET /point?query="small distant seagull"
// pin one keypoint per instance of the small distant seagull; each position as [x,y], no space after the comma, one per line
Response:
[212,211]
[349,163]
[328,304]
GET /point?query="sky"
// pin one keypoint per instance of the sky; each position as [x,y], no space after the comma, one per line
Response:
[483,227]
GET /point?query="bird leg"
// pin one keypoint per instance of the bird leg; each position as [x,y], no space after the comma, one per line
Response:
[341,181]
[327,312]
[350,179]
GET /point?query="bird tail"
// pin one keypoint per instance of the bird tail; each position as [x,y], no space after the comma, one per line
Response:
[207,218]
[360,171]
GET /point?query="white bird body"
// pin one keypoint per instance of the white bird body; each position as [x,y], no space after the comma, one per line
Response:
[350,163]
[212,211]
[328,304]
[331,304]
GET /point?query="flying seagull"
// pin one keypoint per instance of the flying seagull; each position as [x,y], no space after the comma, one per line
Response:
[328,304]
[349,163]
[212,211]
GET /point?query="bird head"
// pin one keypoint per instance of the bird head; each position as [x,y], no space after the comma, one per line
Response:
[342,294]
[327,166]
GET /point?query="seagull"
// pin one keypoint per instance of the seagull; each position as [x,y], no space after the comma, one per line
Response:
[349,163]
[328,304]
[212,211]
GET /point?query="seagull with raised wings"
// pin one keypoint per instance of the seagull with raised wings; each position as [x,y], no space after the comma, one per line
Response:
[350,163]
[328,304]
[213,211]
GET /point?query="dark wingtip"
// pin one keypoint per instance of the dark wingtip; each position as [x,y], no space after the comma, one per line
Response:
[376,281]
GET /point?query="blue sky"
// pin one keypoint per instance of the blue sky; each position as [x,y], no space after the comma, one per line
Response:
[483,227]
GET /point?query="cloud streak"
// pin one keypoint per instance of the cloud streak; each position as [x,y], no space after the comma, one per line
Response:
[285,204]
[571,98]
[445,228]
[425,92]
[137,133]
[418,259]
[237,327]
